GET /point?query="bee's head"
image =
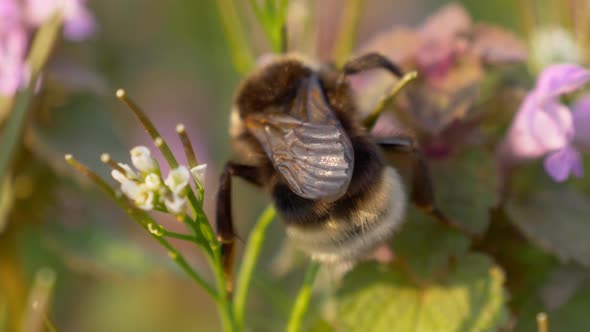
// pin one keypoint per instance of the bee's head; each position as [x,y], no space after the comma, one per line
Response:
[272,86]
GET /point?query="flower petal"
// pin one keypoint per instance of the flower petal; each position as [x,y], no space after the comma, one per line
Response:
[552,125]
[447,22]
[388,43]
[496,46]
[560,79]
[581,115]
[560,164]
[537,130]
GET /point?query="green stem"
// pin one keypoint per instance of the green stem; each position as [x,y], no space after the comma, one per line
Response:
[302,300]
[180,236]
[149,128]
[224,306]
[11,135]
[241,54]
[251,254]
[348,29]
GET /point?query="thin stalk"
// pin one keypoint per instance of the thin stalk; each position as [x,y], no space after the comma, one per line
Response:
[348,30]
[10,137]
[383,103]
[241,53]
[302,300]
[224,305]
[146,222]
[149,128]
[251,254]
[542,322]
[179,236]
[187,145]
[526,12]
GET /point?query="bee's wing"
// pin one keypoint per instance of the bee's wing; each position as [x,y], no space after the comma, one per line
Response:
[307,145]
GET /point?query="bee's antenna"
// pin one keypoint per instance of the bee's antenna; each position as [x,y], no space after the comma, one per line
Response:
[371,61]
[372,118]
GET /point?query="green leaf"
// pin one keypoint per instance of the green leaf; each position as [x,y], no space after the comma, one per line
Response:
[557,220]
[381,298]
[426,245]
[465,188]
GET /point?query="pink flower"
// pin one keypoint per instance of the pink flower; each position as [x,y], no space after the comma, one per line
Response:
[14,72]
[544,126]
[451,54]
[78,21]
[10,14]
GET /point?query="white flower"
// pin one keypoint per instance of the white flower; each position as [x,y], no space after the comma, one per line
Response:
[177,180]
[141,158]
[130,188]
[120,177]
[152,181]
[175,204]
[554,44]
[198,173]
[144,198]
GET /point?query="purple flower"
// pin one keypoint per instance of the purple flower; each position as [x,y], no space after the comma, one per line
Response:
[78,22]
[544,126]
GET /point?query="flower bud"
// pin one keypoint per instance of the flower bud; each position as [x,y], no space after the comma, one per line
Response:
[120,177]
[141,158]
[198,173]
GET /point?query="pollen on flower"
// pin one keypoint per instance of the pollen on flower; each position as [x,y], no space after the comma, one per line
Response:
[155,229]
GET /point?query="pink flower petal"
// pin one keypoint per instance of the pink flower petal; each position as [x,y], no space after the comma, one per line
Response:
[78,22]
[13,70]
[446,23]
[581,116]
[560,164]
[560,79]
[538,129]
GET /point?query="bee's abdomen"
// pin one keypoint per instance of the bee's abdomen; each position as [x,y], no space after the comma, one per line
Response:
[351,232]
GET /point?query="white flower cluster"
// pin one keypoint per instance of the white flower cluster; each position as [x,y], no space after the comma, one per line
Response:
[146,188]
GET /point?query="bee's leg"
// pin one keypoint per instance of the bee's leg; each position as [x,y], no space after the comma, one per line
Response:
[402,152]
[371,61]
[224,219]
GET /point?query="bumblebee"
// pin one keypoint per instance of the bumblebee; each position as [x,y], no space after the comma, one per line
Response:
[297,133]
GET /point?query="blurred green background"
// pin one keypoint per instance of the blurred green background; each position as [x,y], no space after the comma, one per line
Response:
[171,57]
